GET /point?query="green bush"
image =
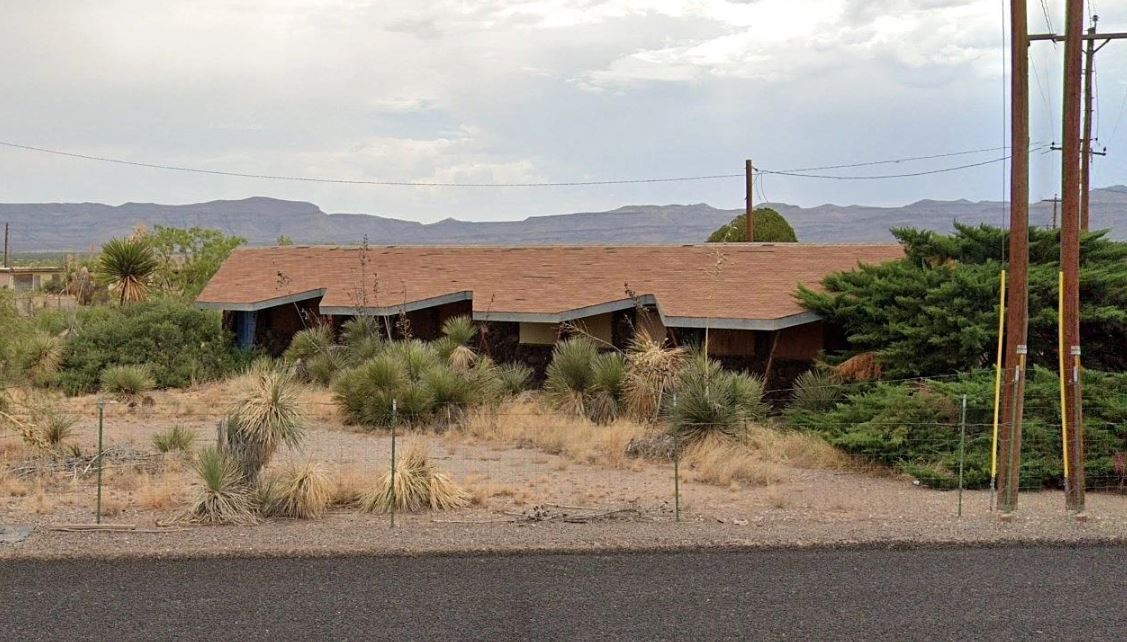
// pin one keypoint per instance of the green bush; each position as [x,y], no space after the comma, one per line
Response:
[770,227]
[179,344]
[914,427]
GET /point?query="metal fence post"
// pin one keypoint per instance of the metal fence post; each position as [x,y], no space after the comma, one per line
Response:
[391,483]
[962,450]
[676,472]
[98,503]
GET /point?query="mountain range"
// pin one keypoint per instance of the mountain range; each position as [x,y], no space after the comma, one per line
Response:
[47,227]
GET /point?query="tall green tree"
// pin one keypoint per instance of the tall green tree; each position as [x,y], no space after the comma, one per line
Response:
[770,227]
[188,257]
[936,310]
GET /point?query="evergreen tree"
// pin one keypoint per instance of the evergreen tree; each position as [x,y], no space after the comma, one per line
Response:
[770,227]
[936,310]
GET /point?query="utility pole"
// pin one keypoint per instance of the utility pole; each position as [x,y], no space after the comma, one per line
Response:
[1086,153]
[1054,200]
[5,245]
[1086,141]
[1070,252]
[1017,298]
[749,224]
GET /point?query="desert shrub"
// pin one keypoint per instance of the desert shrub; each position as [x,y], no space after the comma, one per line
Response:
[179,344]
[297,492]
[266,415]
[224,498]
[711,400]
[914,427]
[127,384]
[177,438]
[608,375]
[309,343]
[514,378]
[417,485]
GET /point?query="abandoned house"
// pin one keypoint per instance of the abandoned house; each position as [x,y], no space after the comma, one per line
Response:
[528,297]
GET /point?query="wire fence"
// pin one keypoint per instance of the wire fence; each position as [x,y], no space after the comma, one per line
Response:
[530,463]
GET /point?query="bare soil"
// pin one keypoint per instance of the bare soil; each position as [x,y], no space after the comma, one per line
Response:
[523,499]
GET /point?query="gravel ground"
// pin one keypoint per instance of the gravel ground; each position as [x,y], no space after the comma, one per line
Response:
[808,508]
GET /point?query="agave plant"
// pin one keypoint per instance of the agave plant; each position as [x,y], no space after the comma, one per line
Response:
[267,414]
[128,265]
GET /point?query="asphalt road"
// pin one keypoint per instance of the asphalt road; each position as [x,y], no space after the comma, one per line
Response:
[1000,594]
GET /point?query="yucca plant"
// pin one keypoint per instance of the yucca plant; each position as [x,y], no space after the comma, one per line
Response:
[450,392]
[608,374]
[651,374]
[816,390]
[267,414]
[127,265]
[127,383]
[297,492]
[711,400]
[514,378]
[570,375]
[309,343]
[361,328]
[364,392]
[224,497]
[178,438]
[51,425]
[417,485]
[38,356]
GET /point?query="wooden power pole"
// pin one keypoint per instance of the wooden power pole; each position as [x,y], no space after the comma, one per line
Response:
[1086,152]
[1072,414]
[1086,140]
[749,175]
[1017,299]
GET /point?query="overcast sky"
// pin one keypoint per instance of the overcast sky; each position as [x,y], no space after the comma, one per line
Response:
[523,91]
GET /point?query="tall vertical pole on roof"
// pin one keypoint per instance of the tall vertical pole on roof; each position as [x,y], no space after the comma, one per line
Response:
[1017,303]
[5,245]
[1070,247]
[749,224]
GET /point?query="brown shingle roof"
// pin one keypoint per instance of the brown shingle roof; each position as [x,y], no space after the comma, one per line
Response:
[754,282]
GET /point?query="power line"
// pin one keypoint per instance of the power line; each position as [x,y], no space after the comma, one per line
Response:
[794,172]
[888,176]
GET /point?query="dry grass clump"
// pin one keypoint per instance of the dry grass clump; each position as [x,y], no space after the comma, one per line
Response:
[720,461]
[224,498]
[155,493]
[299,492]
[417,485]
[578,439]
[804,450]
